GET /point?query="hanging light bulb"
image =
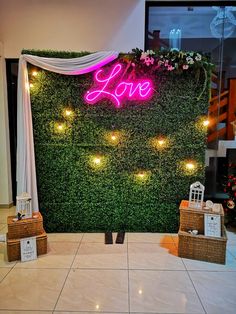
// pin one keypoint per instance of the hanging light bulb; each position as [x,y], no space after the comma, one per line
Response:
[68,112]
[34,73]
[113,137]
[97,160]
[190,166]
[60,127]
[206,122]
[161,142]
[141,175]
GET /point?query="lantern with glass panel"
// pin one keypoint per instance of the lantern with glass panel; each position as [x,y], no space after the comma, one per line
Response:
[196,195]
[23,206]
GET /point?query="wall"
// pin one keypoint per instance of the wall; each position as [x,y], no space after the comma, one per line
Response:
[88,181]
[5,170]
[61,25]
[71,25]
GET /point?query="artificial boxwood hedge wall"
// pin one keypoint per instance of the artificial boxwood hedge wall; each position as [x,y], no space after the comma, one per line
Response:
[74,194]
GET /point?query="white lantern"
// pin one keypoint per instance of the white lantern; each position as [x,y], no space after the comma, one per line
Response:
[196,195]
[23,205]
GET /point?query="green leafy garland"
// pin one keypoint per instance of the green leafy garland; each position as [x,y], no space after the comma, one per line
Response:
[137,185]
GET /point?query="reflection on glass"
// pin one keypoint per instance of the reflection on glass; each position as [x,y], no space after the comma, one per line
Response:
[175,39]
[223,24]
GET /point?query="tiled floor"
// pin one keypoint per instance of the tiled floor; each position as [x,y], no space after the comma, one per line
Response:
[80,274]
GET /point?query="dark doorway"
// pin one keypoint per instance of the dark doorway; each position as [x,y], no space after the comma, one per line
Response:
[12,74]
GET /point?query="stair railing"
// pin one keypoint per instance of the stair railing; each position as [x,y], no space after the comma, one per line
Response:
[222,110]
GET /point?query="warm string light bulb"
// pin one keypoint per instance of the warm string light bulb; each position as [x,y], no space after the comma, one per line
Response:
[34,73]
[31,85]
[141,175]
[161,142]
[140,291]
[97,306]
[68,112]
[113,137]
[190,166]
[97,160]
[60,127]
[206,122]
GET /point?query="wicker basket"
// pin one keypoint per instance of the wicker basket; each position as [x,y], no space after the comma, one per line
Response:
[202,248]
[13,247]
[193,219]
[25,228]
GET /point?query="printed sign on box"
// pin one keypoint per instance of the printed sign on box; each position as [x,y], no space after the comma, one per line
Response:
[28,249]
[212,225]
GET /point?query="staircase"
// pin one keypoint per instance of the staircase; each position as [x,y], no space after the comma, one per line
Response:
[222,110]
[221,131]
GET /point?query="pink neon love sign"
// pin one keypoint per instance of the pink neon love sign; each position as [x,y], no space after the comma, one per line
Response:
[106,87]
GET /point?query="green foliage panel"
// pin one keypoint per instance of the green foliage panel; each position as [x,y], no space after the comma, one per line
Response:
[77,195]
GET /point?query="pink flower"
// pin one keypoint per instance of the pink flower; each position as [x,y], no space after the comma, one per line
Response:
[166,63]
[185,67]
[144,55]
[170,68]
[148,61]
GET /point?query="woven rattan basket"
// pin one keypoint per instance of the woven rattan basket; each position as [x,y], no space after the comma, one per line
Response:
[13,247]
[193,219]
[202,248]
[25,228]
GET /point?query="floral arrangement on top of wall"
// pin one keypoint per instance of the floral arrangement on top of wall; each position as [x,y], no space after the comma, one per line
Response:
[169,60]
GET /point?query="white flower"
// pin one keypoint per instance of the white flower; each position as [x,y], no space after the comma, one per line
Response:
[144,55]
[198,57]
[150,52]
[189,60]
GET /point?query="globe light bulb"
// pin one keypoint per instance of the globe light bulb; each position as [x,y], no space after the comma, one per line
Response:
[97,306]
[31,85]
[60,127]
[206,122]
[161,142]
[68,112]
[34,73]
[141,175]
[190,166]
[113,137]
[97,160]
[140,291]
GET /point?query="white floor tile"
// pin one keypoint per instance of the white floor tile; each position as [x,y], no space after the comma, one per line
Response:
[200,265]
[64,237]
[2,226]
[154,256]
[91,290]
[163,292]
[60,255]
[3,272]
[99,255]
[31,289]
[150,238]
[3,256]
[99,237]
[217,291]
[25,312]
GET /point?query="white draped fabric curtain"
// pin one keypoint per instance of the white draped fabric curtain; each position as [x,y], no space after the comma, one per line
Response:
[26,171]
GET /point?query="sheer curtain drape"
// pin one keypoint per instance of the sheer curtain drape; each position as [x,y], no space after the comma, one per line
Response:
[26,172]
